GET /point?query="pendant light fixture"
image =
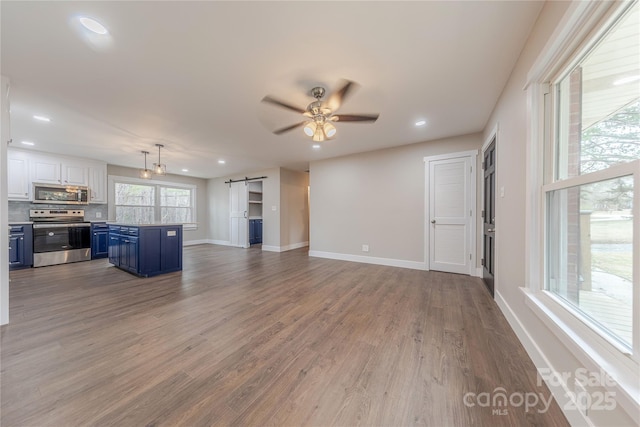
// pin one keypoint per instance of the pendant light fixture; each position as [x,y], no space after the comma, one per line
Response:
[145,173]
[159,168]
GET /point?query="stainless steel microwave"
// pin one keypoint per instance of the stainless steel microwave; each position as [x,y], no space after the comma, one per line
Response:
[60,194]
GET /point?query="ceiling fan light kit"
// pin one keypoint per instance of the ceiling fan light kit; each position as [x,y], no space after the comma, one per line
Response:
[329,129]
[310,128]
[322,113]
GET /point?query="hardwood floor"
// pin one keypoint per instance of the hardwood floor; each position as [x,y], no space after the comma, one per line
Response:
[242,337]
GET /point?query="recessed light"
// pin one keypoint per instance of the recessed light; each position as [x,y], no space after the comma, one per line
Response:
[93,25]
[421,123]
[222,162]
[316,146]
[28,143]
[185,170]
[42,118]
[626,80]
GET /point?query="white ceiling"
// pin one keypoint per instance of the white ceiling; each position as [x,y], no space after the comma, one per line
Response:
[190,75]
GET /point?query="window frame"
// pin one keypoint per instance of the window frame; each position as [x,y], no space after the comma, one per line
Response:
[157,207]
[582,27]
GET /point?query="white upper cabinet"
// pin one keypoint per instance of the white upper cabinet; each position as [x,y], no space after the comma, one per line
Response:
[98,183]
[18,183]
[45,170]
[28,167]
[61,171]
[75,174]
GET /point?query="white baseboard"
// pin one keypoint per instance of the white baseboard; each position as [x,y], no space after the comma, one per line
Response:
[414,265]
[478,272]
[264,247]
[269,248]
[560,392]
[196,242]
[294,246]
[206,242]
[219,242]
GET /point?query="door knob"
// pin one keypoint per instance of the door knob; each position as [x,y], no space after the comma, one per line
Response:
[433,221]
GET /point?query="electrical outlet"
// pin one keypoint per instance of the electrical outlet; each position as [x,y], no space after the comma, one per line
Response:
[365,248]
[98,214]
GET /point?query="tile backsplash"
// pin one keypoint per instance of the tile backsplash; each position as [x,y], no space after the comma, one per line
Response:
[19,211]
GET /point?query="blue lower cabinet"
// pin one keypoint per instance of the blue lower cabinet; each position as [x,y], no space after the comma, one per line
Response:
[99,240]
[129,253]
[20,246]
[255,231]
[114,248]
[146,250]
[258,231]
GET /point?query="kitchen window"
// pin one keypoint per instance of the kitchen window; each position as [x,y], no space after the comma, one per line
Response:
[145,202]
[584,184]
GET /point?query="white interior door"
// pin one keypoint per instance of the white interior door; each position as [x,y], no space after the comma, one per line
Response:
[450,215]
[239,214]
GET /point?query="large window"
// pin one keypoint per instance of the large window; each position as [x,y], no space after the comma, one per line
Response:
[591,167]
[135,203]
[146,202]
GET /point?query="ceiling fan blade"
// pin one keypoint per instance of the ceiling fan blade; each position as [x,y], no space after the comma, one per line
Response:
[355,117]
[337,98]
[288,128]
[282,104]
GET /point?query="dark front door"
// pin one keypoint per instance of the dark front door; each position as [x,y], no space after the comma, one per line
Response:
[489,216]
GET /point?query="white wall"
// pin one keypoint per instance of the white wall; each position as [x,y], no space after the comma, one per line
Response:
[510,114]
[376,199]
[202,207]
[294,216]
[5,132]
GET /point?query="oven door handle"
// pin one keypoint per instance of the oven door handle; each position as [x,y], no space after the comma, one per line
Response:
[66,225]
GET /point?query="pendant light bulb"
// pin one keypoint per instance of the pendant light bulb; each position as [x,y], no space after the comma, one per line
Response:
[145,173]
[159,168]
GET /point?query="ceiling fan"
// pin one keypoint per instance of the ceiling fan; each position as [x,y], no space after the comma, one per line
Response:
[320,115]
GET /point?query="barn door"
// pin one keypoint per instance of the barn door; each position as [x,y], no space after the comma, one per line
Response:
[239,214]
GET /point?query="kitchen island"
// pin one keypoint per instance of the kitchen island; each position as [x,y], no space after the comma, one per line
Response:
[146,249]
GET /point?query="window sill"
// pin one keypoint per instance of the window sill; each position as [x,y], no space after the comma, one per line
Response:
[593,351]
[190,226]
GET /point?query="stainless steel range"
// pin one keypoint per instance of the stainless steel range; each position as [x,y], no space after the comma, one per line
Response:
[60,236]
